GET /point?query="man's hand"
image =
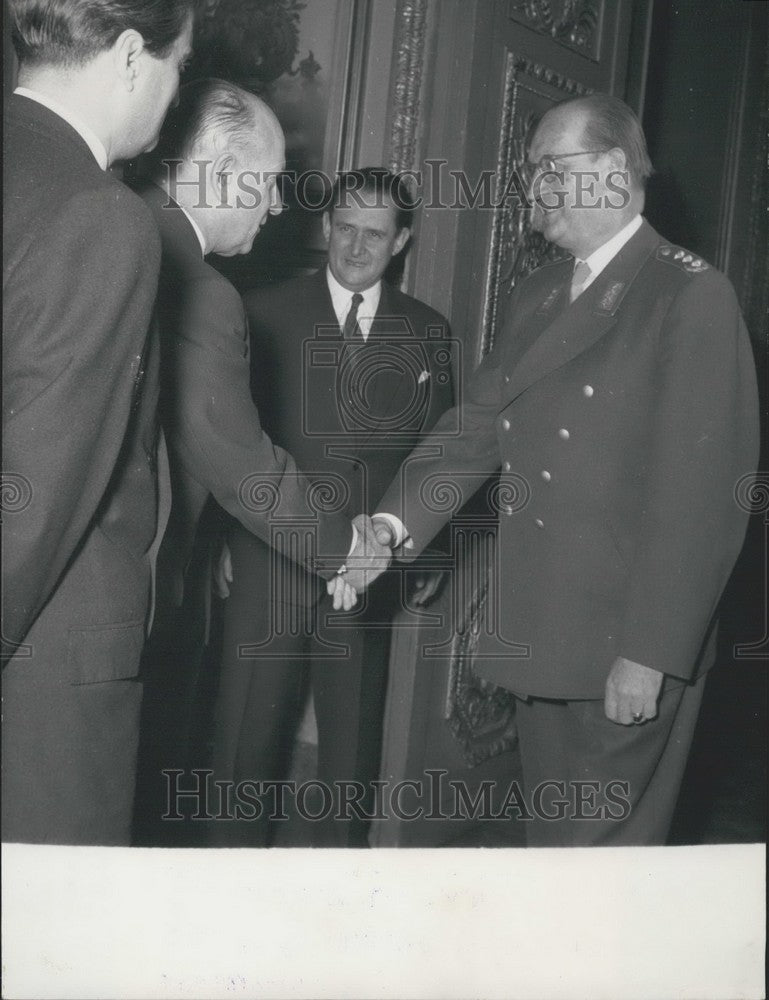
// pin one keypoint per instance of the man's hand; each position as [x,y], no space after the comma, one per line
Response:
[427,585]
[222,572]
[383,531]
[632,691]
[368,560]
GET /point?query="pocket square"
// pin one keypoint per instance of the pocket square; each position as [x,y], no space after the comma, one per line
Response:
[423,377]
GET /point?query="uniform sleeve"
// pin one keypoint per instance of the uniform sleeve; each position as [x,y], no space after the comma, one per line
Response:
[218,436]
[703,439]
[451,463]
[76,313]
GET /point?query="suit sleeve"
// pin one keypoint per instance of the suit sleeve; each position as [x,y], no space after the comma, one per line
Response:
[77,310]
[703,439]
[449,464]
[218,436]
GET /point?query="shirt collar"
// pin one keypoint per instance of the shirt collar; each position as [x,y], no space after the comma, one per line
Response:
[341,299]
[86,133]
[198,230]
[599,259]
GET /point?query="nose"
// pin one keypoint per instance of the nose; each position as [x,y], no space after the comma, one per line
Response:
[357,244]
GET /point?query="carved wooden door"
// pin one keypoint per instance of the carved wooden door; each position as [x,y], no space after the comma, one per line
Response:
[488,69]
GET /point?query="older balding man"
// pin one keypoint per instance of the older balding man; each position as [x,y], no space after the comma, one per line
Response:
[218,162]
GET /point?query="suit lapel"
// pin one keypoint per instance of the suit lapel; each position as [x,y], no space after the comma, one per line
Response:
[577,326]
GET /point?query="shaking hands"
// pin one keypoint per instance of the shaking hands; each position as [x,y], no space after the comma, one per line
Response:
[368,560]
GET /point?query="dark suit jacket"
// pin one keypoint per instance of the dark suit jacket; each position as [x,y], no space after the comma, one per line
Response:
[621,423]
[349,414]
[80,384]
[216,442]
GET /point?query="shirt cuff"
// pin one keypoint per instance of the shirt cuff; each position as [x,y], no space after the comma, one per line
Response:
[402,537]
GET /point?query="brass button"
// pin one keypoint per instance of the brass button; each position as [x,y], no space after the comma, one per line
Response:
[539,522]
[564,434]
[505,424]
[507,378]
[506,467]
[508,510]
[588,390]
[546,475]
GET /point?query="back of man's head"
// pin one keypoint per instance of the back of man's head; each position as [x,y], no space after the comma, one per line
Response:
[70,33]
[212,116]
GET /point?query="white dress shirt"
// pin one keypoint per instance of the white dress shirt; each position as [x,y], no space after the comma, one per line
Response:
[86,133]
[601,257]
[597,261]
[341,299]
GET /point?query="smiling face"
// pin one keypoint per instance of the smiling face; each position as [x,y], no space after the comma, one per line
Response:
[361,243]
[574,210]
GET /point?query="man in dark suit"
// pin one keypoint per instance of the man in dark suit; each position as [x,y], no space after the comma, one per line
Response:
[621,402]
[348,371]
[220,155]
[80,265]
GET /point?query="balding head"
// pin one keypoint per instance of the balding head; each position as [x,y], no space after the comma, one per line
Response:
[221,152]
[214,116]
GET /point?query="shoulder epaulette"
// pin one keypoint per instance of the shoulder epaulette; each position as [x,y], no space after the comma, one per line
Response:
[688,262]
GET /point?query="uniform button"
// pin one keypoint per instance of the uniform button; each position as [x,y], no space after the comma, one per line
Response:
[507,378]
[546,475]
[505,424]
[506,467]
[539,522]
[508,510]
[564,434]
[588,390]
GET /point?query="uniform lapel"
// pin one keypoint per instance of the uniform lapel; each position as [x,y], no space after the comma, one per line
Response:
[577,326]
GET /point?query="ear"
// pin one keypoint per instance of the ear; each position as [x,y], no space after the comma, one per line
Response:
[127,51]
[326,226]
[222,177]
[401,240]
[617,158]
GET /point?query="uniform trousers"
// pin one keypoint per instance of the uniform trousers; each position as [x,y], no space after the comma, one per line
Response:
[616,785]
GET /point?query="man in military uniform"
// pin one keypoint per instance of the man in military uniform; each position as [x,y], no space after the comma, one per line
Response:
[622,390]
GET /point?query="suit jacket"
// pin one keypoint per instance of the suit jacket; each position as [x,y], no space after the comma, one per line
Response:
[348,413]
[621,423]
[80,385]
[217,445]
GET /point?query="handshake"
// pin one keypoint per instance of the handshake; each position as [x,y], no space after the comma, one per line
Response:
[369,558]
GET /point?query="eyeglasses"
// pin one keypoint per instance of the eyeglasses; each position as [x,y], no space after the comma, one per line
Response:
[547,164]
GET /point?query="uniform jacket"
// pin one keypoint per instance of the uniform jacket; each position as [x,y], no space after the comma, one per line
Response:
[80,386]
[217,445]
[348,413]
[621,424]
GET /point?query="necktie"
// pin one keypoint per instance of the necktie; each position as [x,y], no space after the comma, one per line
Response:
[351,329]
[579,279]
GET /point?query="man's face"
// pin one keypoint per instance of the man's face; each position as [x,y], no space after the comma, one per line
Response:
[157,89]
[570,209]
[361,243]
[252,196]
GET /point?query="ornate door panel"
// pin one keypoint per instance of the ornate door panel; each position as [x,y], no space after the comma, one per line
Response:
[494,66]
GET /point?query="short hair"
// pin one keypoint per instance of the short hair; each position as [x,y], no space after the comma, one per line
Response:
[611,123]
[380,184]
[72,32]
[207,107]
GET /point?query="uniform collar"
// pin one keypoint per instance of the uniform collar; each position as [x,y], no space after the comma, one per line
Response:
[599,258]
